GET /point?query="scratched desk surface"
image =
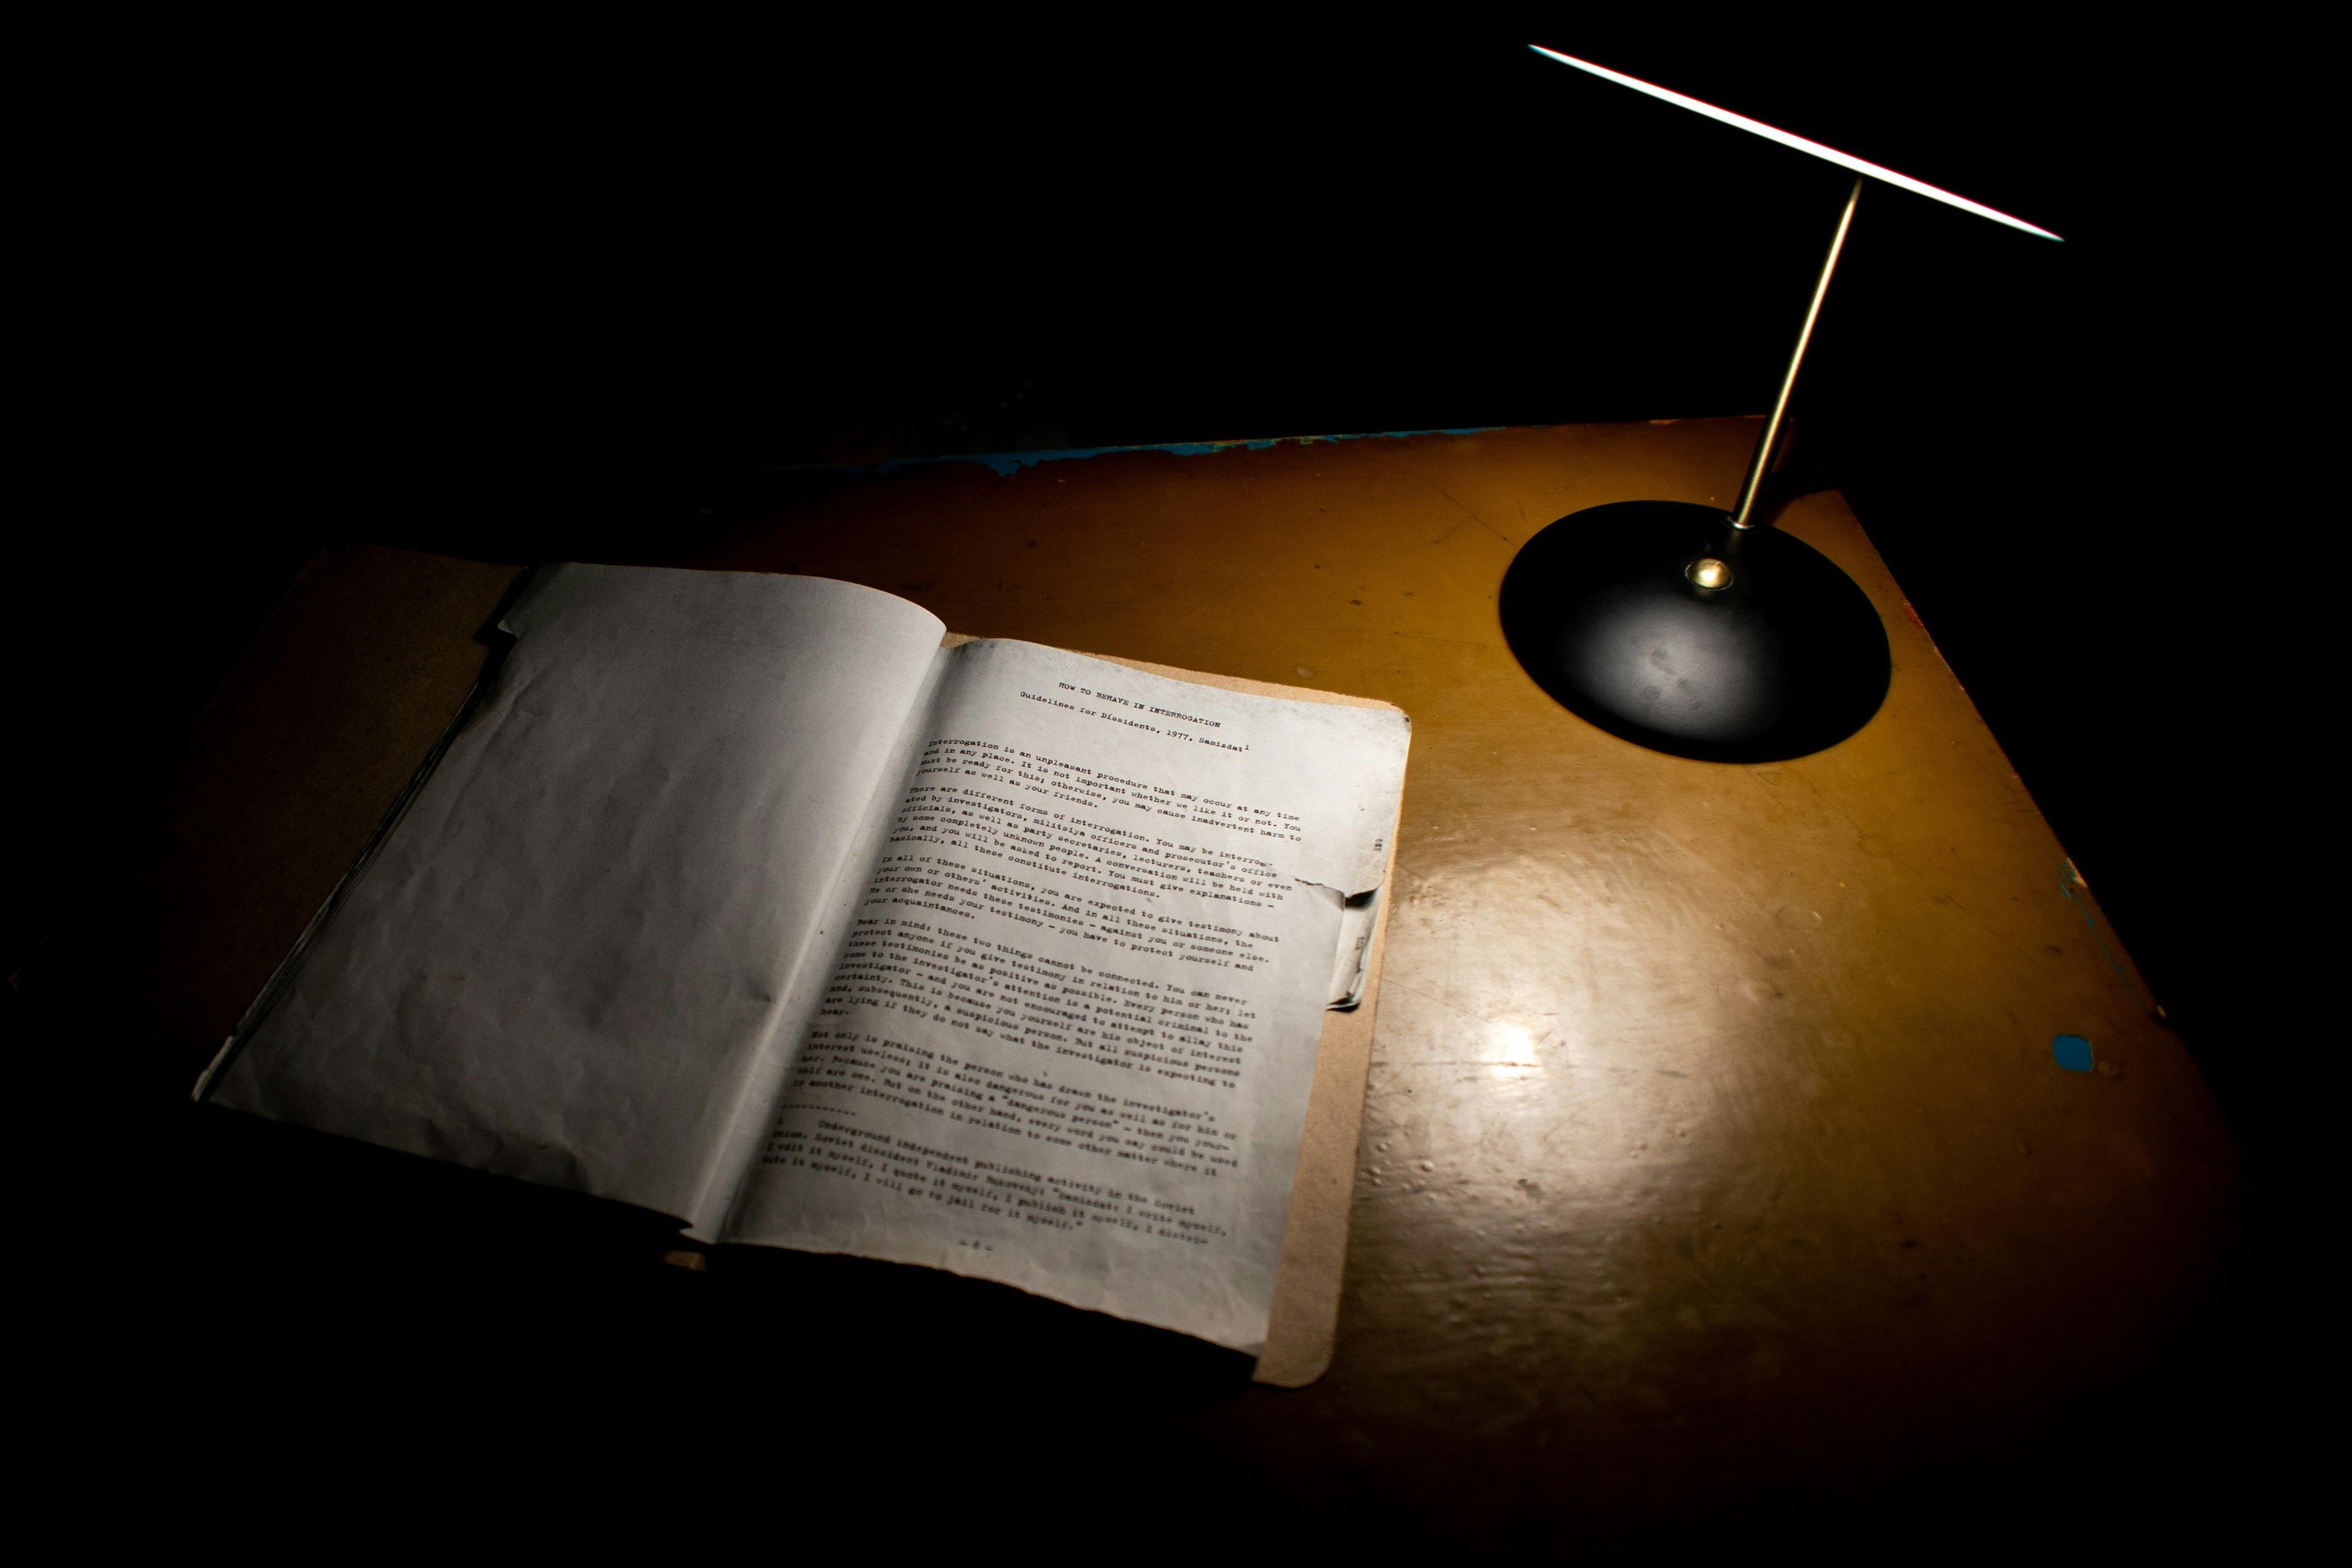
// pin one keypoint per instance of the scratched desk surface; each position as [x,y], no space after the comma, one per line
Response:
[1717,1141]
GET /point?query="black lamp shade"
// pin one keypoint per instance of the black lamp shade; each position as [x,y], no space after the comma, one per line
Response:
[1786,658]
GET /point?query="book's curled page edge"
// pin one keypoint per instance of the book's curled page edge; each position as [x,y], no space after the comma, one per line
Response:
[747,1129]
[496,640]
[1303,1330]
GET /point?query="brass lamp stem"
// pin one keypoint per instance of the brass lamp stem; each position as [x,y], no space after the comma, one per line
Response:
[1771,437]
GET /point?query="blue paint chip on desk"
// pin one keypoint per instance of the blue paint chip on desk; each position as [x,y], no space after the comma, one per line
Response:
[2072,1052]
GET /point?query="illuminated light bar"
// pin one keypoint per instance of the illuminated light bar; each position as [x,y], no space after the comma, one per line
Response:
[1787,139]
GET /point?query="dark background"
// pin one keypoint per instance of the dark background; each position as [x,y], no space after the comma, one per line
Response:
[531,291]
[540,290]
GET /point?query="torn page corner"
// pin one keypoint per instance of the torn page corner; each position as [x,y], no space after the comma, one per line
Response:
[1352,962]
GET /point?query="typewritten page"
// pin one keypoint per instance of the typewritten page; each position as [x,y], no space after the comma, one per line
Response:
[578,957]
[1071,1027]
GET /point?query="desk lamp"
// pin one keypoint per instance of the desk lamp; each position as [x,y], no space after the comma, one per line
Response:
[1697,632]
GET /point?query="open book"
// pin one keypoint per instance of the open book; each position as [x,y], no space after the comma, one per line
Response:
[761,902]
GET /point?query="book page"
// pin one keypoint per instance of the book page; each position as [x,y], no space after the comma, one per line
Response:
[1071,1027]
[583,954]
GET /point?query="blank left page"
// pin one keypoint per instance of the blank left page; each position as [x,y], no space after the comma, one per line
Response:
[573,959]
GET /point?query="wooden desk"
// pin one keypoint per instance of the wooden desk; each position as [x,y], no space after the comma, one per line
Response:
[1715,1143]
